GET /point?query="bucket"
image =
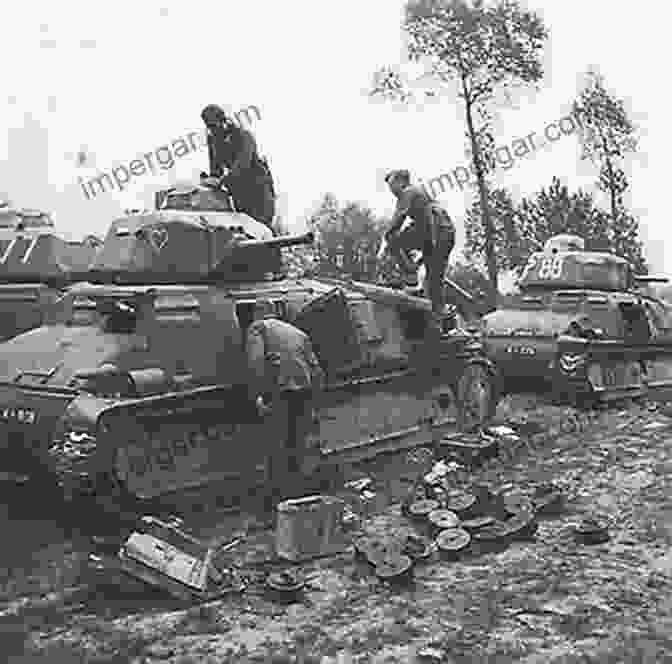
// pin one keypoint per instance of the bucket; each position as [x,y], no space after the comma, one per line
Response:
[310,527]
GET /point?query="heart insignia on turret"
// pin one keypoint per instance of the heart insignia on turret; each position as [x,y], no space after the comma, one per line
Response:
[158,237]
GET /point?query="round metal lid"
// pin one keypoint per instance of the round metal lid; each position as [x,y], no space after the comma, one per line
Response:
[422,508]
[496,531]
[591,526]
[453,539]
[478,523]
[285,581]
[444,519]
[394,567]
[460,501]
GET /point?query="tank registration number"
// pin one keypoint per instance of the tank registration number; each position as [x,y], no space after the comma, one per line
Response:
[22,415]
[170,454]
[549,267]
[521,350]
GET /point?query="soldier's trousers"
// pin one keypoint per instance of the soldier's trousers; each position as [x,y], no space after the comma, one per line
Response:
[436,251]
[436,263]
[254,195]
[285,459]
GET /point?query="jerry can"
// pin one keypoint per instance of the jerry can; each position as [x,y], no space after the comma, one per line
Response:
[310,527]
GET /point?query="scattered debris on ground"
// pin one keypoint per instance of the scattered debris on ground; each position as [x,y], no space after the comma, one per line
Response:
[555,548]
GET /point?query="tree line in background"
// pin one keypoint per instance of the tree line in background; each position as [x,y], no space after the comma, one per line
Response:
[479,54]
[348,236]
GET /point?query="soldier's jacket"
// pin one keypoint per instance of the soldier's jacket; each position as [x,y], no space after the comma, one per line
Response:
[237,150]
[280,356]
[430,219]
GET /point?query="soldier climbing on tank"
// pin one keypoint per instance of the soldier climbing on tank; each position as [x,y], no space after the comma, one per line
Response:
[236,163]
[432,232]
[285,379]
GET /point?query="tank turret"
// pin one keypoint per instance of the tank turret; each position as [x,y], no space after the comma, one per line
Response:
[32,251]
[35,264]
[188,197]
[23,218]
[565,265]
[193,235]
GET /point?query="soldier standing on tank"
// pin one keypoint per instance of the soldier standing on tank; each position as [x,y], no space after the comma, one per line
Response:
[432,232]
[235,161]
[285,380]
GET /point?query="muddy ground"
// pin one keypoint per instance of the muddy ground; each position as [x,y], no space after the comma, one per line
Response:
[547,601]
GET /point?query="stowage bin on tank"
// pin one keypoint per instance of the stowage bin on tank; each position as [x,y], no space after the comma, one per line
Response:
[138,386]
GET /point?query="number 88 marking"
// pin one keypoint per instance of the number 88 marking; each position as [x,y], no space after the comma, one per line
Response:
[551,268]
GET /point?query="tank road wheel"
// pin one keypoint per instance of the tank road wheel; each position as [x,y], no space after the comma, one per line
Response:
[476,401]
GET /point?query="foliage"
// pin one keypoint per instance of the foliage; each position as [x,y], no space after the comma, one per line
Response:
[511,246]
[484,50]
[347,239]
[524,228]
[625,240]
[473,279]
[554,210]
[607,136]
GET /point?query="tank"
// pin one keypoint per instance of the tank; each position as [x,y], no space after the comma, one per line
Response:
[35,265]
[136,389]
[570,299]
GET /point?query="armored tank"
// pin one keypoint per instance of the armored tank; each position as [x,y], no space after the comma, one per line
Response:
[581,325]
[136,387]
[35,264]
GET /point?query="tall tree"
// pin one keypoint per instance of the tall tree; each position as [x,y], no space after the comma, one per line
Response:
[484,50]
[626,242]
[510,243]
[607,136]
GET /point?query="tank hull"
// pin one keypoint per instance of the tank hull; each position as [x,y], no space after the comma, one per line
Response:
[390,382]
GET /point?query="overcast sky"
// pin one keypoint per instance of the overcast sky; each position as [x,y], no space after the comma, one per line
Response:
[121,79]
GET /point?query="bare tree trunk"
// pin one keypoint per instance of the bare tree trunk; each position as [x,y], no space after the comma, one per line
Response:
[488,227]
[612,184]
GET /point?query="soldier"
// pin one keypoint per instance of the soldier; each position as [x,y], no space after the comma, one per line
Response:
[285,378]
[235,161]
[431,232]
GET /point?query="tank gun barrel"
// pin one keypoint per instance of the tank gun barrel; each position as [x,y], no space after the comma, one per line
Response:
[279,242]
[650,279]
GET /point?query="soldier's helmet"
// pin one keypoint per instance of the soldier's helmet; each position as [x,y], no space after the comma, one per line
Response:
[213,114]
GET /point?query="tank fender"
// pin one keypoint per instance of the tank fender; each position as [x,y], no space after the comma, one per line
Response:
[81,415]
